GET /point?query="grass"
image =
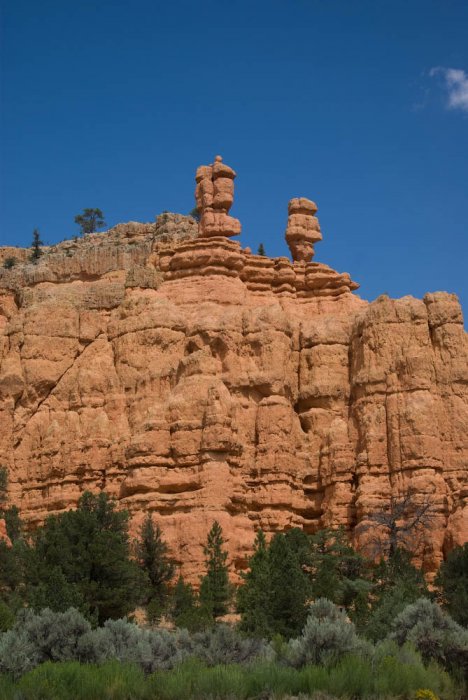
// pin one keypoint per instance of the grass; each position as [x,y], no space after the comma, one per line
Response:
[352,678]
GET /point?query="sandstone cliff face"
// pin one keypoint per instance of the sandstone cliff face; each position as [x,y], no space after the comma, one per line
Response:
[192,379]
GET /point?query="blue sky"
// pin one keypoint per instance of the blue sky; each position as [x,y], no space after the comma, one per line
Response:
[113,104]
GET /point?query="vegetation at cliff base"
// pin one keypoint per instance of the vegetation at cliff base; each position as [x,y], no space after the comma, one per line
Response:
[313,615]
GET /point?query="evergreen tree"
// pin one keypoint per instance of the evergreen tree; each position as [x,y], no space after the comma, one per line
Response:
[3,485]
[339,573]
[186,612]
[11,555]
[288,589]
[195,214]
[299,543]
[398,583]
[10,570]
[36,246]
[215,588]
[152,556]
[90,220]
[261,249]
[85,553]
[13,523]
[183,598]
[7,617]
[254,596]
[452,579]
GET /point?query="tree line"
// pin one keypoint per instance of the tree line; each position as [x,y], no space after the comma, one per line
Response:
[85,559]
[89,221]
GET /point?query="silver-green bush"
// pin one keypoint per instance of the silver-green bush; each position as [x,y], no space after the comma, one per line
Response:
[433,633]
[223,645]
[152,650]
[327,636]
[45,636]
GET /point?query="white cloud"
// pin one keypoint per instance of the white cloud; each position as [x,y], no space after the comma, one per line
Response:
[456,83]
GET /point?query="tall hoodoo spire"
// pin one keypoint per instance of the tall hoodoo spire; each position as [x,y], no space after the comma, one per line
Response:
[214,195]
[303,229]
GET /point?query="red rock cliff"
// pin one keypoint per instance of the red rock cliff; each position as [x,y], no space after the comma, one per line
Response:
[171,367]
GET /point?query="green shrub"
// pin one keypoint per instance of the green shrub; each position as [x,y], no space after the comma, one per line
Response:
[7,617]
[433,633]
[326,637]
[354,677]
[196,619]
[71,680]
[10,262]
[351,677]
[47,636]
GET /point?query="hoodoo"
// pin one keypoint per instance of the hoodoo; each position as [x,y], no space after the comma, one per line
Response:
[190,378]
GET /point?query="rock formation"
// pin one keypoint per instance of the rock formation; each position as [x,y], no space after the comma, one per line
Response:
[303,229]
[188,377]
[214,195]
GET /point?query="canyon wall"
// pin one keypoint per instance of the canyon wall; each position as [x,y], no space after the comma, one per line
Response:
[195,380]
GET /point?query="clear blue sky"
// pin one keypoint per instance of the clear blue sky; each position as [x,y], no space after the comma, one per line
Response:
[113,104]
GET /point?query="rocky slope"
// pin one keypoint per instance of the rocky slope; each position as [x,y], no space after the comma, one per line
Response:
[171,367]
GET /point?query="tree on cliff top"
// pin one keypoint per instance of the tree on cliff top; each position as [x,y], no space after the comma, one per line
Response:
[90,220]
[215,588]
[36,246]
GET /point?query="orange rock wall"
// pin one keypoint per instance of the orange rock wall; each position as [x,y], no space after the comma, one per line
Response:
[194,380]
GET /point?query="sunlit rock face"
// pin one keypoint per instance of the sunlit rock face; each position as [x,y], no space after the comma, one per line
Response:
[169,366]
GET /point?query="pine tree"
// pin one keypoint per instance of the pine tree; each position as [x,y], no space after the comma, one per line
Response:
[13,523]
[183,598]
[186,612]
[261,249]
[90,220]
[334,564]
[288,589]
[3,484]
[86,553]
[152,556]
[398,583]
[254,596]
[214,587]
[339,573]
[36,246]
[452,579]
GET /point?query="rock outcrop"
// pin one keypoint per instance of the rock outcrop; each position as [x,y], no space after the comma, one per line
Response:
[188,377]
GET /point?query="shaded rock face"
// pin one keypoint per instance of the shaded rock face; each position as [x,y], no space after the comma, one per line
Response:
[192,379]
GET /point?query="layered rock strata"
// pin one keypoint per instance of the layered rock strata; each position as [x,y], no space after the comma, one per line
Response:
[192,379]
